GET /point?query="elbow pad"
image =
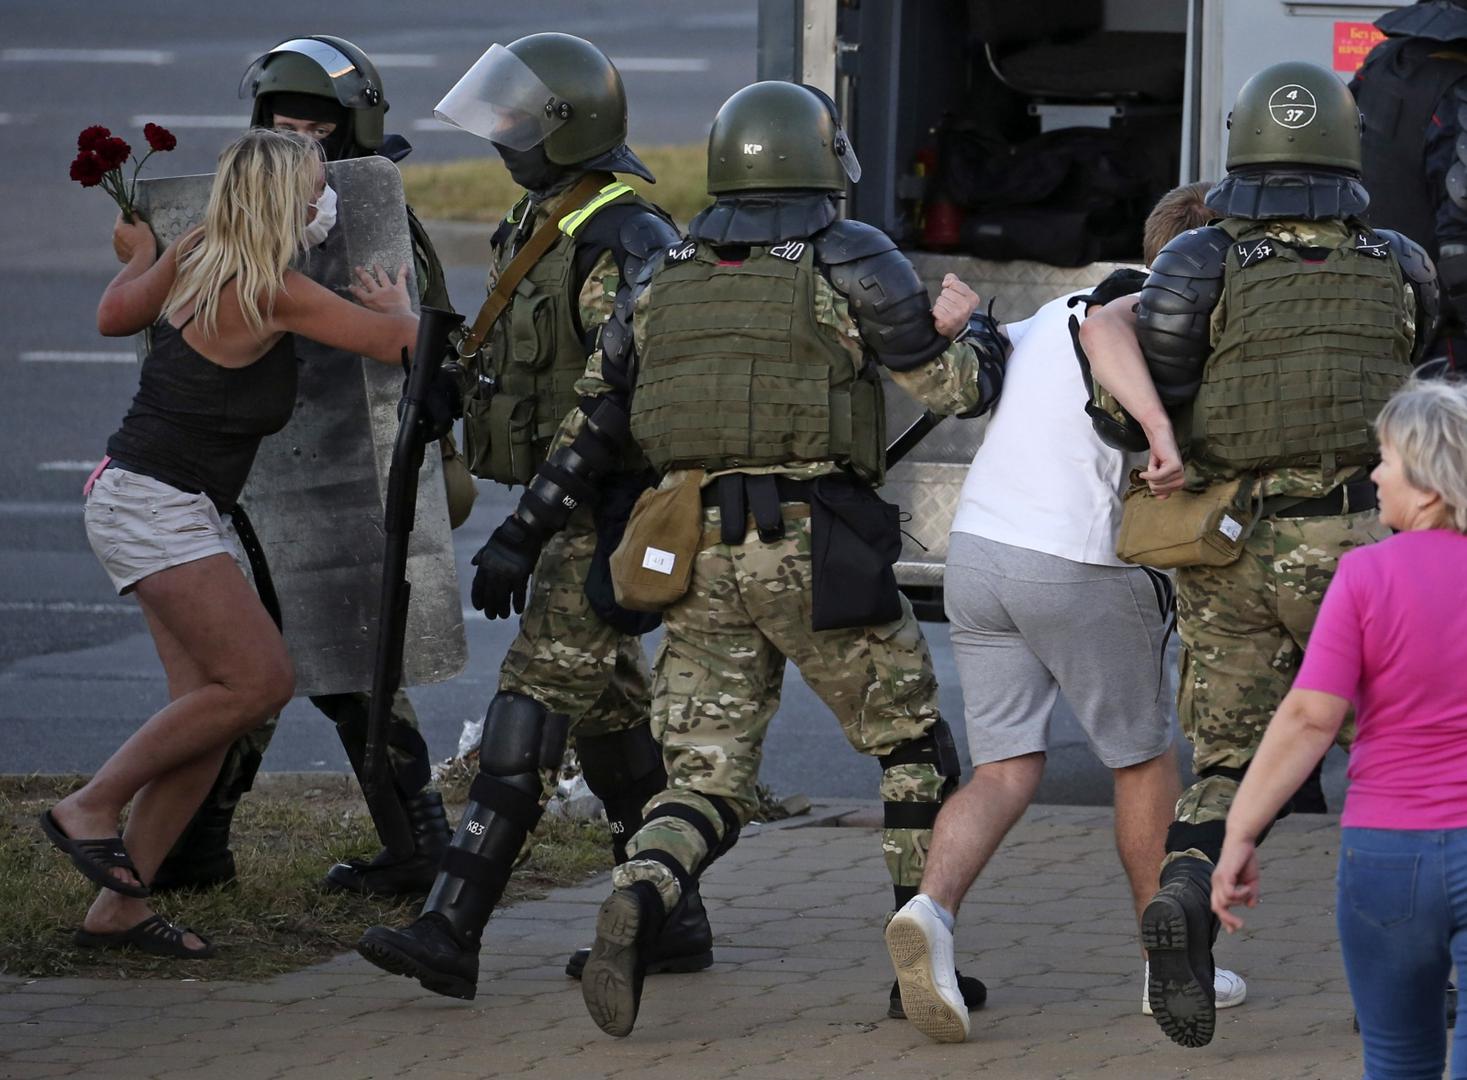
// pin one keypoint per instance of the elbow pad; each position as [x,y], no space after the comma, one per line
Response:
[888,300]
[1174,311]
[569,477]
[1426,285]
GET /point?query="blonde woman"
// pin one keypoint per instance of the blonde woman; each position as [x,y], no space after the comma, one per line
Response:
[224,305]
[1391,640]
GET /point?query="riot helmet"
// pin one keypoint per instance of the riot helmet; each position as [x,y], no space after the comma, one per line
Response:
[777,135]
[1294,113]
[320,78]
[550,96]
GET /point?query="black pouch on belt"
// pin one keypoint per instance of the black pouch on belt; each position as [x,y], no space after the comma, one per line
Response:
[619,494]
[855,538]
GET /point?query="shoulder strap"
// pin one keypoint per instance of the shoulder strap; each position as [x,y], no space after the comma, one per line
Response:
[539,243]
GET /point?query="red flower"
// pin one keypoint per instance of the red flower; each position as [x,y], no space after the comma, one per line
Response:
[112,153]
[159,138]
[86,170]
[92,137]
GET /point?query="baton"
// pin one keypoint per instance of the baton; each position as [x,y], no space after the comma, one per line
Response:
[904,442]
[388,813]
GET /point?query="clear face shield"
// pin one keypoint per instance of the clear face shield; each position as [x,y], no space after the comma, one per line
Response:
[502,100]
[353,89]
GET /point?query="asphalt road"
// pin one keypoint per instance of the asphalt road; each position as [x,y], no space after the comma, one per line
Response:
[77,670]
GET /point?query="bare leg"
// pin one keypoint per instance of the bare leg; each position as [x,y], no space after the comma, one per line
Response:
[234,667]
[227,669]
[974,821]
[1145,800]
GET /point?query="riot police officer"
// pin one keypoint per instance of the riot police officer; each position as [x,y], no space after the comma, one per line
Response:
[760,343]
[328,89]
[554,108]
[1412,92]
[1274,336]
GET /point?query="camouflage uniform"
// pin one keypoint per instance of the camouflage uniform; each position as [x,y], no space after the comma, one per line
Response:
[719,670]
[1244,627]
[565,656]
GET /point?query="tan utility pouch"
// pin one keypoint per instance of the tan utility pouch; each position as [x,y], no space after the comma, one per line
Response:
[1188,528]
[652,567]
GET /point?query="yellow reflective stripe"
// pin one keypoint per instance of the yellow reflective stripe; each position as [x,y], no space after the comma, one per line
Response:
[573,221]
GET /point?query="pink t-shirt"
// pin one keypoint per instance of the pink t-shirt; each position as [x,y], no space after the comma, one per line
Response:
[1392,638]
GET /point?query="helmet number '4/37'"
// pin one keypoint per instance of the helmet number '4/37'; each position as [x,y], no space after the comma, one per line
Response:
[1292,106]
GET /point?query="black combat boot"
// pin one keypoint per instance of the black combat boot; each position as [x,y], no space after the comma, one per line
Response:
[431,950]
[413,876]
[1178,929]
[685,943]
[201,858]
[628,923]
[975,996]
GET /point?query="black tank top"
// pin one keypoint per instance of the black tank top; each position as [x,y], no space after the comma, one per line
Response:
[197,425]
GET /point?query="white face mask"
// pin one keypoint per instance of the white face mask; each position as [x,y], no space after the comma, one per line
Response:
[320,225]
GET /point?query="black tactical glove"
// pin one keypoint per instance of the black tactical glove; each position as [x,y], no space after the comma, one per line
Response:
[505,563]
[442,404]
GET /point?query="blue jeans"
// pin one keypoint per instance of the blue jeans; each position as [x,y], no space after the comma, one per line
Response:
[1402,912]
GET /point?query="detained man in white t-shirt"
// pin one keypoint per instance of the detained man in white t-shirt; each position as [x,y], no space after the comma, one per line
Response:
[1038,605]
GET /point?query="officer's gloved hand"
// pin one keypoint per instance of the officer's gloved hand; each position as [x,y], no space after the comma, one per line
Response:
[443,403]
[505,563]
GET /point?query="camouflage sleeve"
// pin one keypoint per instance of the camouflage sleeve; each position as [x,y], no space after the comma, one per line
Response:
[947,384]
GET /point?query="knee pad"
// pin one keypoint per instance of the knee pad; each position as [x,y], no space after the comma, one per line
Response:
[933,747]
[622,761]
[717,845]
[521,736]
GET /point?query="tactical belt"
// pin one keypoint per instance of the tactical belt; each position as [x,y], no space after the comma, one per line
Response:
[1351,498]
[736,494]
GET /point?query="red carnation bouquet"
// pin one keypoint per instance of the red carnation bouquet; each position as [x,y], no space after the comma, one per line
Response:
[101,156]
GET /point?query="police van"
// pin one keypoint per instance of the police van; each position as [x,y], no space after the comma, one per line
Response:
[1021,145]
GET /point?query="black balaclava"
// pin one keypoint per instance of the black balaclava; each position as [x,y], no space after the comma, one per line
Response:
[318,110]
[531,169]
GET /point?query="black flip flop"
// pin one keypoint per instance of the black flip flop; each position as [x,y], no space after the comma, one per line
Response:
[155,936]
[95,858]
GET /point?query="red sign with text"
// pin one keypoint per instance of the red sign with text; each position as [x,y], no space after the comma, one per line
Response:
[1353,41]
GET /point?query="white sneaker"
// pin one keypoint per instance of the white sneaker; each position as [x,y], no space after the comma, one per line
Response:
[1228,988]
[921,949]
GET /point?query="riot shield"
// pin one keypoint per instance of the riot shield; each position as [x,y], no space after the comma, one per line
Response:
[317,490]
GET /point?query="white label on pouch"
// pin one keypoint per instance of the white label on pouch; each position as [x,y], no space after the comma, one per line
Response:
[1230,528]
[659,560]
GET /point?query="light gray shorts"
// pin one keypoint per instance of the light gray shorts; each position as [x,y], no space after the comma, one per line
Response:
[1027,626]
[138,526]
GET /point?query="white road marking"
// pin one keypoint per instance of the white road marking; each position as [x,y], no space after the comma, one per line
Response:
[239,123]
[67,607]
[87,56]
[663,64]
[25,508]
[432,123]
[66,466]
[44,356]
[404,60]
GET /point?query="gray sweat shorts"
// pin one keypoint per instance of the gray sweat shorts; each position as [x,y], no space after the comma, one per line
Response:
[1027,626]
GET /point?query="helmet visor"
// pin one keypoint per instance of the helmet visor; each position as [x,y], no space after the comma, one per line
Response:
[502,100]
[352,88]
[846,155]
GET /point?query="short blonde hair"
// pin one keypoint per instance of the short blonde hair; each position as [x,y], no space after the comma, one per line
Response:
[1426,424]
[253,227]
[1180,209]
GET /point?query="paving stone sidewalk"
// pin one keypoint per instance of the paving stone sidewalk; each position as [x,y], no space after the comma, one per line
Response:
[798,991]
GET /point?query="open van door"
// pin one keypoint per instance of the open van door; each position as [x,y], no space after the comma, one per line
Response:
[1021,146]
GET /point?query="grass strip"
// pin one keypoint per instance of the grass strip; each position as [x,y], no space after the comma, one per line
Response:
[276,919]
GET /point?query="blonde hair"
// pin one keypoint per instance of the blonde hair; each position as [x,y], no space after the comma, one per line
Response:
[253,227]
[1180,209]
[1426,423]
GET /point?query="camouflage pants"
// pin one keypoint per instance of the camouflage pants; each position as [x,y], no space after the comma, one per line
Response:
[565,656]
[1243,629]
[717,685]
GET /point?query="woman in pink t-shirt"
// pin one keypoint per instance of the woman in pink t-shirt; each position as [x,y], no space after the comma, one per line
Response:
[1391,640]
